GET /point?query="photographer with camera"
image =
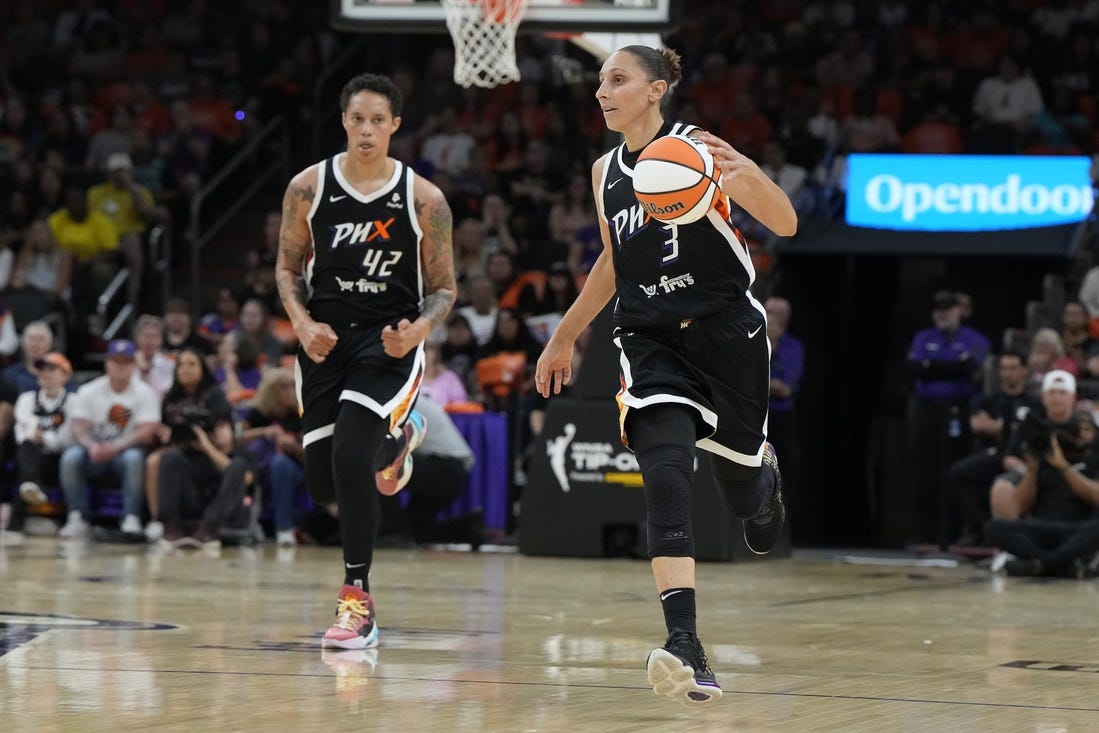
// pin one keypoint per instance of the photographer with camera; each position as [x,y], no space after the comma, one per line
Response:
[1055,527]
[200,481]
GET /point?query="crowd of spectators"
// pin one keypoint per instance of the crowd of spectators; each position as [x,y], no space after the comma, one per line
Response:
[114,113]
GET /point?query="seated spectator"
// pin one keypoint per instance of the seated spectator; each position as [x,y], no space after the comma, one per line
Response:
[1057,498]
[1047,352]
[214,326]
[42,265]
[130,206]
[469,249]
[265,253]
[558,293]
[480,314]
[114,420]
[238,374]
[495,219]
[1089,295]
[936,134]
[512,334]
[212,114]
[440,384]
[867,130]
[271,433]
[199,477]
[118,138]
[745,127]
[255,324]
[995,421]
[154,367]
[1005,106]
[43,430]
[448,146]
[501,270]
[37,341]
[789,177]
[443,463]
[574,213]
[459,351]
[1074,335]
[178,333]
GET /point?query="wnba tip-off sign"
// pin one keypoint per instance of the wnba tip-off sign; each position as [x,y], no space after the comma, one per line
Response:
[946,193]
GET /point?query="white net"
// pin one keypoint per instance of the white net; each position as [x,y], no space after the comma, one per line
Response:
[484,40]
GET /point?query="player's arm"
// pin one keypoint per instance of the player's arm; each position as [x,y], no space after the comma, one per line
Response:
[436,254]
[556,359]
[437,262]
[750,188]
[317,339]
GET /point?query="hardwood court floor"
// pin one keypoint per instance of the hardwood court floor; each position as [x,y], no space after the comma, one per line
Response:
[116,638]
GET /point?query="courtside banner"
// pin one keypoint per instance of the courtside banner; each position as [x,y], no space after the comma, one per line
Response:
[967,193]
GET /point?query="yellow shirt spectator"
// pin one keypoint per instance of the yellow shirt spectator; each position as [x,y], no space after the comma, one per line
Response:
[129,205]
[119,205]
[85,236]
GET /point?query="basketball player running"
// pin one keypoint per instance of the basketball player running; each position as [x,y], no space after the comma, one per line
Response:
[694,358]
[365,271]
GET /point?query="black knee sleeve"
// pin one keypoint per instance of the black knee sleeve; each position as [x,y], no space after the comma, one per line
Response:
[663,439]
[745,489]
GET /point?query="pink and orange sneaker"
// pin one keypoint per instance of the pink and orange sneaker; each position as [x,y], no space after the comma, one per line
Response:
[354,627]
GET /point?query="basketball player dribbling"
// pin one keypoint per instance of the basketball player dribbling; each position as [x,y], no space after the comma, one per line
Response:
[695,358]
[365,271]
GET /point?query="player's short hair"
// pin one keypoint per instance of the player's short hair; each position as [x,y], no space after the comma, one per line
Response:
[376,83]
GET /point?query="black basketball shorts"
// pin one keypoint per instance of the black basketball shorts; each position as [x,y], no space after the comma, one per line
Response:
[717,364]
[357,370]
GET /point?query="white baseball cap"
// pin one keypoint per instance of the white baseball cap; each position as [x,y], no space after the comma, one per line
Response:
[1059,379]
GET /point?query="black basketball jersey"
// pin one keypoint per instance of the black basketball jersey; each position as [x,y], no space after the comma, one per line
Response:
[364,266]
[666,273]
[50,417]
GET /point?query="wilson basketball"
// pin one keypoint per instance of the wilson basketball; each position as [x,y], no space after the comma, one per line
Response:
[675,179]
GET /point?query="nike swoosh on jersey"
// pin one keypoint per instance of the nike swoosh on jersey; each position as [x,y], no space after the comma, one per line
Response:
[753,333]
[334,199]
[612,185]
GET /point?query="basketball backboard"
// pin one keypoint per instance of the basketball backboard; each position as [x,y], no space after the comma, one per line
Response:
[542,16]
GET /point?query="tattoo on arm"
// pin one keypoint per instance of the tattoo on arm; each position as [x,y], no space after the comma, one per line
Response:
[292,247]
[437,255]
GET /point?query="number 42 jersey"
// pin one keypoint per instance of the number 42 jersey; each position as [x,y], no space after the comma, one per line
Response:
[364,265]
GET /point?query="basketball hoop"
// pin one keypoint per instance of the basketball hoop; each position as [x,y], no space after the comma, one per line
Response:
[484,40]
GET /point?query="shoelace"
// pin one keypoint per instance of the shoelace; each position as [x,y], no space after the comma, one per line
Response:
[683,641]
[351,613]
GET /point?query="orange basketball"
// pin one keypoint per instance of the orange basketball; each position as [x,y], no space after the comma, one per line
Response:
[675,179]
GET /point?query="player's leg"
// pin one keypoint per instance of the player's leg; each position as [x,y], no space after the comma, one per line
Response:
[744,464]
[662,437]
[754,494]
[359,432]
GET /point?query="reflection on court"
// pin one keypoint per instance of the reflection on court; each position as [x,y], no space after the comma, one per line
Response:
[101,637]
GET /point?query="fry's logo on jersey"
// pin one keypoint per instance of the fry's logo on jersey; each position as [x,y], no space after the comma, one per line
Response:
[359,233]
[361,285]
[668,284]
[629,222]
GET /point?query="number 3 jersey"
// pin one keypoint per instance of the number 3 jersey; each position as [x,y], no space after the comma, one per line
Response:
[667,273]
[364,267]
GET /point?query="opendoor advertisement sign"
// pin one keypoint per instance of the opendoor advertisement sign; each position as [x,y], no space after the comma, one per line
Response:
[967,193]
